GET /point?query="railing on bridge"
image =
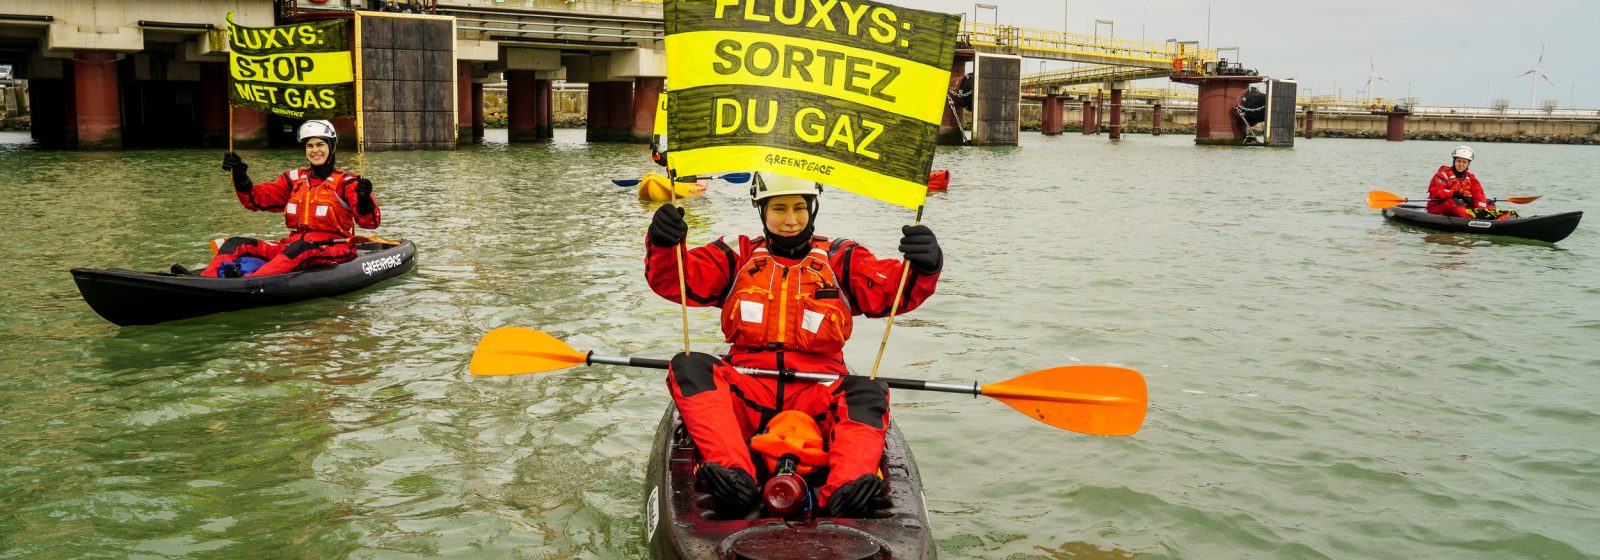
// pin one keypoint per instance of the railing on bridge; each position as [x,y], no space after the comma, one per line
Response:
[1171,57]
[294,9]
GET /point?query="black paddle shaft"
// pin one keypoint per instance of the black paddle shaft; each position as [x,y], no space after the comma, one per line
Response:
[910,384]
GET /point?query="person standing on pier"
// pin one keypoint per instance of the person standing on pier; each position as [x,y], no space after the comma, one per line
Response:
[321,205]
[1454,191]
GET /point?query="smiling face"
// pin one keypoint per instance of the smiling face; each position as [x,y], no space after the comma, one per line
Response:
[1462,163]
[316,151]
[787,215]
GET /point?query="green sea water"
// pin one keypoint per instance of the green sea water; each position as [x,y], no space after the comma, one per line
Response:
[1322,384]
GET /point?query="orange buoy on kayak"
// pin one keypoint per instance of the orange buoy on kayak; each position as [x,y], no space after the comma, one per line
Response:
[653,187]
[939,180]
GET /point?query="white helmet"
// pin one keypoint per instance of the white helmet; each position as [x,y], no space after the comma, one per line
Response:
[1462,152]
[768,185]
[318,129]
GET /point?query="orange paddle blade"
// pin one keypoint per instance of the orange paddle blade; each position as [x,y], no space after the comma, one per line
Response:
[1099,400]
[1380,199]
[516,351]
[1521,199]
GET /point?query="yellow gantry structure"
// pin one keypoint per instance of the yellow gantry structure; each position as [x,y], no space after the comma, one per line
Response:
[1104,59]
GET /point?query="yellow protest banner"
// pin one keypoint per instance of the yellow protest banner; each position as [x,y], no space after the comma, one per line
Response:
[302,71]
[846,93]
[661,115]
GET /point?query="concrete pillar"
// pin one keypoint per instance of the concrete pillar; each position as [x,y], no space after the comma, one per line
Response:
[621,108]
[1116,114]
[545,109]
[1155,120]
[49,101]
[522,105]
[646,93]
[1088,117]
[463,102]
[610,111]
[1311,121]
[97,100]
[1050,115]
[950,125]
[214,104]
[249,129]
[477,112]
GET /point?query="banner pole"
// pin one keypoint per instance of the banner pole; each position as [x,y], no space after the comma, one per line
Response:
[361,122]
[905,272]
[678,251]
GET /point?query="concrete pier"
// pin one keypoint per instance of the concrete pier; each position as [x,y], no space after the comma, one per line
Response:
[1155,120]
[1089,123]
[522,106]
[1310,122]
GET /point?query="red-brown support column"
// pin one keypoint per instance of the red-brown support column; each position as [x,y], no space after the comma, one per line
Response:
[547,116]
[1099,109]
[1050,115]
[477,112]
[646,93]
[214,104]
[1311,121]
[463,102]
[249,128]
[99,107]
[1217,114]
[1155,120]
[951,125]
[522,106]
[1116,114]
[1397,124]
[1088,117]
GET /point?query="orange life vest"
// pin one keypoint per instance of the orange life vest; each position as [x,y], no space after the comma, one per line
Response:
[318,208]
[797,308]
[791,432]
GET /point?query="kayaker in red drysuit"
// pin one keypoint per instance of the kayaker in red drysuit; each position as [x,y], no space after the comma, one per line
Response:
[1454,191]
[787,299]
[321,206]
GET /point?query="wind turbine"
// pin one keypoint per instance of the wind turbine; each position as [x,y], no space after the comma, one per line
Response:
[1533,77]
[1372,74]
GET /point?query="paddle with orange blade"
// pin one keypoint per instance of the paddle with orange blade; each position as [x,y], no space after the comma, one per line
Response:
[1097,400]
[1380,199]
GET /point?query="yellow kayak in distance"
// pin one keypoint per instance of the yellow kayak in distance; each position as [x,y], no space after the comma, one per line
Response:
[653,187]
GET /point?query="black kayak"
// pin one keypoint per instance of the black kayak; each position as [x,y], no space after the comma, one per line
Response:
[1551,228]
[128,297]
[679,521]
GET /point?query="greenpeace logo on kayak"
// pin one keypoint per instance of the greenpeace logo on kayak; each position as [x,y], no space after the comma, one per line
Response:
[380,265]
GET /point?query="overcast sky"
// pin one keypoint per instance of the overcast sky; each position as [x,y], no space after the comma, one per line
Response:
[1459,53]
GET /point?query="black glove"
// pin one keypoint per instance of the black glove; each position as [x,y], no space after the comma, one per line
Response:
[241,178]
[232,160]
[364,203]
[667,228]
[858,497]
[1463,201]
[921,249]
